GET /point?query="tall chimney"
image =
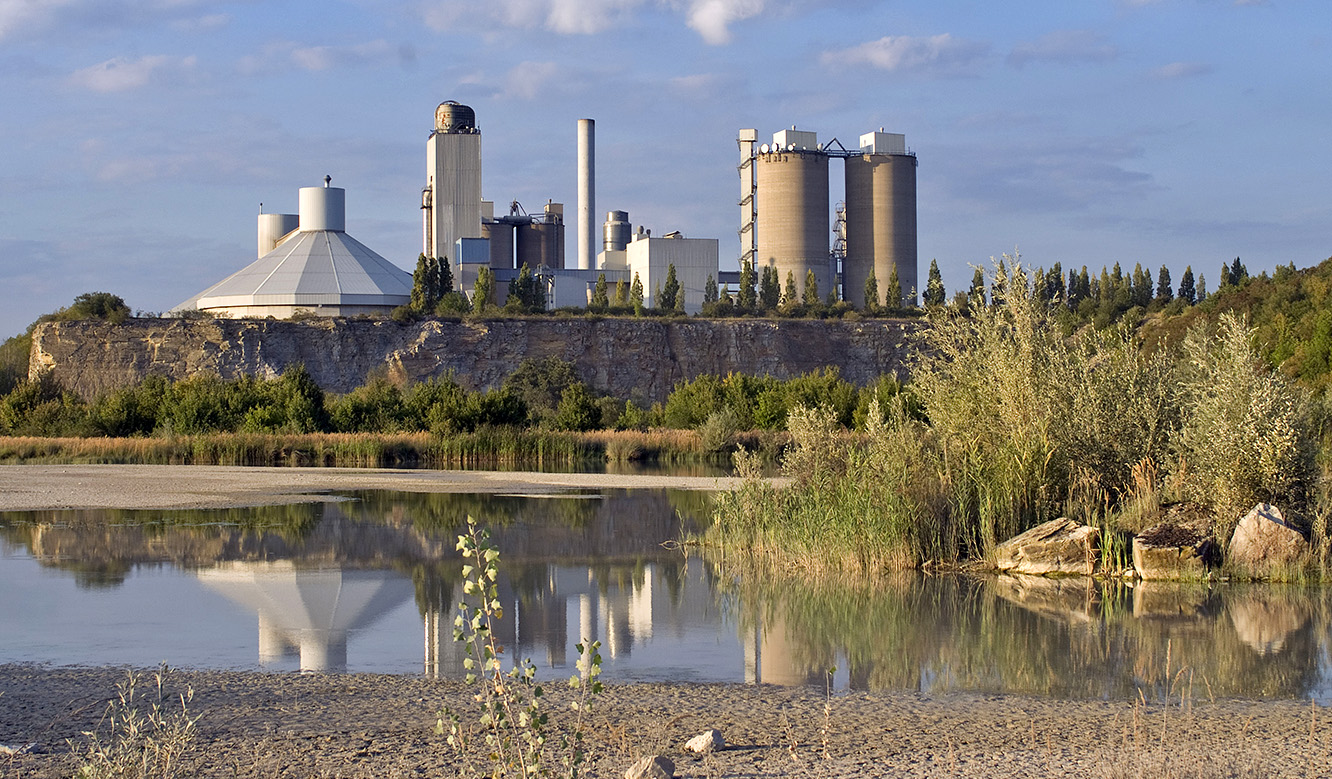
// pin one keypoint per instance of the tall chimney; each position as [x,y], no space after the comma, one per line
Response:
[587,194]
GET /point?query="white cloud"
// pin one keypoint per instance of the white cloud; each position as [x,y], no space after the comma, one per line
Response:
[526,80]
[587,16]
[17,14]
[283,54]
[120,74]
[1063,46]
[1176,70]
[37,16]
[939,54]
[712,18]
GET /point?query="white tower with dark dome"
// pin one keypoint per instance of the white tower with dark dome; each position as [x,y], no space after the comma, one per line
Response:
[451,199]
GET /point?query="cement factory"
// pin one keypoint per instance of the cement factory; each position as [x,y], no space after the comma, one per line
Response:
[307,264]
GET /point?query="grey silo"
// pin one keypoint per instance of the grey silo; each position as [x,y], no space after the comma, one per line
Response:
[792,224]
[880,218]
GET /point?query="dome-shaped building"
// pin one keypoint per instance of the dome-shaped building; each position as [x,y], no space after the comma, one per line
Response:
[308,264]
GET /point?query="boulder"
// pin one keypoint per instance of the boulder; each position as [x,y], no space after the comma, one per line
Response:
[1263,542]
[1060,546]
[705,742]
[651,767]
[1175,551]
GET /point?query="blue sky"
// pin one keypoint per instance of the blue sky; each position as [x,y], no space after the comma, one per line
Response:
[140,136]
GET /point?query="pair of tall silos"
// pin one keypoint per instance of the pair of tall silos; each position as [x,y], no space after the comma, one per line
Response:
[785,204]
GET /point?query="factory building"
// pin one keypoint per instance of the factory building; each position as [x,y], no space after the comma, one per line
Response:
[308,264]
[451,199]
[784,201]
[638,253]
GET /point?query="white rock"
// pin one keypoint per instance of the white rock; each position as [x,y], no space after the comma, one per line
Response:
[651,767]
[705,742]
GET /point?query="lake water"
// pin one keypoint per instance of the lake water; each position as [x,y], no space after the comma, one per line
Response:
[370,583]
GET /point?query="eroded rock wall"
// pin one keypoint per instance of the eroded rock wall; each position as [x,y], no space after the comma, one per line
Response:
[627,358]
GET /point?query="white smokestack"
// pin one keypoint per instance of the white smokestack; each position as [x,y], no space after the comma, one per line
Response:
[587,193]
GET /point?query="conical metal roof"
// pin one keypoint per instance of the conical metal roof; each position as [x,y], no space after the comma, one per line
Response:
[316,268]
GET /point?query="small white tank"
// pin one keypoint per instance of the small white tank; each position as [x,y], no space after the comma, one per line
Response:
[323,208]
[272,227]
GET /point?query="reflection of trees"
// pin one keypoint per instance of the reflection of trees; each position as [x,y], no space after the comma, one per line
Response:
[957,633]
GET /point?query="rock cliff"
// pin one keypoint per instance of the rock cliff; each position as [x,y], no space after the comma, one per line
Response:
[628,358]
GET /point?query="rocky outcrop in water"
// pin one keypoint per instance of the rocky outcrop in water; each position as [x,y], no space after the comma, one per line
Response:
[641,359]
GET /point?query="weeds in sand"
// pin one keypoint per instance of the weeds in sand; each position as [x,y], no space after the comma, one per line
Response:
[512,737]
[134,741]
[826,731]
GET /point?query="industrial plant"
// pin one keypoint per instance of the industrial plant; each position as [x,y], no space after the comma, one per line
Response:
[308,264]
[784,211]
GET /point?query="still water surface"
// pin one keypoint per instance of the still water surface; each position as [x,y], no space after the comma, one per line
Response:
[370,583]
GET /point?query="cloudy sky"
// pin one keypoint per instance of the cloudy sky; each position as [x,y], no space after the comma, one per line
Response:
[140,136]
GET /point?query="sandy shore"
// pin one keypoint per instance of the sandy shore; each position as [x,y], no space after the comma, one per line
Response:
[365,725]
[362,725]
[32,487]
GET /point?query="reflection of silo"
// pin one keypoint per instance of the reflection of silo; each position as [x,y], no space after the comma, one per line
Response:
[880,219]
[793,214]
[501,243]
[616,232]
[539,244]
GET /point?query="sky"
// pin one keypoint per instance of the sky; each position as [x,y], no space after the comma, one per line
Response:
[139,137]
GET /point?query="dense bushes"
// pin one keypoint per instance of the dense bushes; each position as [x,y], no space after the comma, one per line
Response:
[1017,424]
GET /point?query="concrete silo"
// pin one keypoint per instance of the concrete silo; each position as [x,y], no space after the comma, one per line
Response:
[791,182]
[451,200]
[880,218]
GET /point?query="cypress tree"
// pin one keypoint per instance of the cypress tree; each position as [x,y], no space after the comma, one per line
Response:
[892,297]
[636,295]
[420,284]
[811,297]
[482,291]
[871,292]
[790,298]
[670,291]
[748,297]
[935,294]
[710,290]
[1187,292]
[600,297]
[1163,290]
[976,293]
[770,289]
[621,293]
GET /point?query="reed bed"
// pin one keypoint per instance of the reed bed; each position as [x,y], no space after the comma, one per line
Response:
[502,447]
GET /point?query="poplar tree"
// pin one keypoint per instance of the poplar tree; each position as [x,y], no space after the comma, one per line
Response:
[621,293]
[600,298]
[747,294]
[420,284]
[871,292]
[770,289]
[789,297]
[710,290]
[892,297]
[482,291]
[670,291]
[811,297]
[636,295]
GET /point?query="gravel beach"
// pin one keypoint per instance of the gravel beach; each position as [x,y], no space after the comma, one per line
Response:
[254,724]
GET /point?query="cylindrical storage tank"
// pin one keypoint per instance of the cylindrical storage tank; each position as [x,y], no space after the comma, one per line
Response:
[616,232]
[792,190]
[454,117]
[323,208]
[880,226]
[272,227]
[501,243]
[539,244]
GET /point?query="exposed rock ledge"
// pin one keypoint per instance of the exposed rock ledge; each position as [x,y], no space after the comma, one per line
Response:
[628,358]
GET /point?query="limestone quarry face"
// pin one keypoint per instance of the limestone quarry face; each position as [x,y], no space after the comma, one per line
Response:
[639,359]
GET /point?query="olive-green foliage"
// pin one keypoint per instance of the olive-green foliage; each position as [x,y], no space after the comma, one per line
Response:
[759,402]
[14,361]
[445,408]
[42,407]
[376,406]
[1246,433]
[541,384]
[92,305]
[577,409]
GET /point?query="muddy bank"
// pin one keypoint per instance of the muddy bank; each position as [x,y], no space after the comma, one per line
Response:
[362,725]
[32,487]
